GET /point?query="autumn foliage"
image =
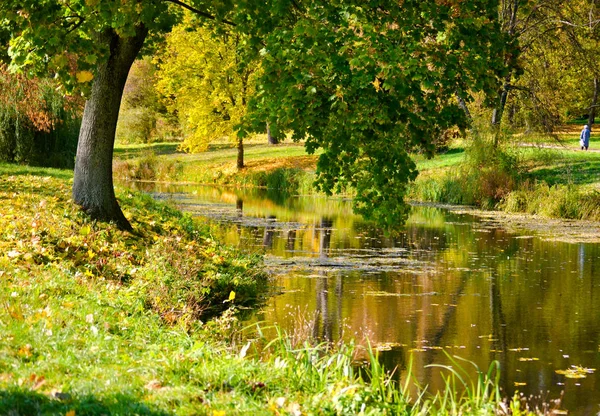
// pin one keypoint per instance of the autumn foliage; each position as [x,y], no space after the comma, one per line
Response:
[38,123]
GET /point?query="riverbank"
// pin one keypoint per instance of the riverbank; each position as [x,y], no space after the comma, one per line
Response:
[544,176]
[97,321]
[284,166]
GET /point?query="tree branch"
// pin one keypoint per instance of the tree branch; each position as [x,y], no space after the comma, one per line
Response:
[199,12]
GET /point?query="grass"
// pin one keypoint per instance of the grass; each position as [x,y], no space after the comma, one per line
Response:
[96,321]
[285,166]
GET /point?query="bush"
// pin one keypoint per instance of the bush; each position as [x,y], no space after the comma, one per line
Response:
[558,201]
[148,167]
[39,125]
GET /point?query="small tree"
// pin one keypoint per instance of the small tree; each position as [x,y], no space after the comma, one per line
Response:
[206,84]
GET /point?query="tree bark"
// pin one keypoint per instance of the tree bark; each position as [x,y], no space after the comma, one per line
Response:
[93,181]
[592,113]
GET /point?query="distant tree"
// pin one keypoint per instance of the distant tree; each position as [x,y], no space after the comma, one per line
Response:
[557,71]
[206,83]
[143,117]
[38,122]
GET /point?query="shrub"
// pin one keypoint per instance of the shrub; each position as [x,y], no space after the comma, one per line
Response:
[38,124]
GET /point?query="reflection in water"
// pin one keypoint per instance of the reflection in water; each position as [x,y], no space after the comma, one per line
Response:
[325,237]
[290,240]
[269,232]
[447,283]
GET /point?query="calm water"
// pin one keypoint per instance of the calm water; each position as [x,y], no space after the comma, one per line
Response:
[449,283]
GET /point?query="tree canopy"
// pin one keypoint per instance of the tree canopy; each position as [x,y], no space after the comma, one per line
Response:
[368,82]
[205,82]
[365,81]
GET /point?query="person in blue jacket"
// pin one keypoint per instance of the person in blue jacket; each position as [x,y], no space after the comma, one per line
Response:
[584,137]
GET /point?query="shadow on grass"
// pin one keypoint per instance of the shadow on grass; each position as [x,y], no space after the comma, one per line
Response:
[20,170]
[453,151]
[23,402]
[155,148]
[579,173]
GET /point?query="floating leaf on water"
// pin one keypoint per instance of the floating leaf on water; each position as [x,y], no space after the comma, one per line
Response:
[517,384]
[387,346]
[576,371]
[529,359]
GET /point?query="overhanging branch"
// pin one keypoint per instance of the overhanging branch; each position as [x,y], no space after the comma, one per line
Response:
[199,12]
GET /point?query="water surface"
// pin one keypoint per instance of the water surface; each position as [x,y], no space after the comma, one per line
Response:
[448,283]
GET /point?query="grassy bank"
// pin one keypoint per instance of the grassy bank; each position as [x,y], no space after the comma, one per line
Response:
[285,166]
[536,174]
[95,321]
[533,176]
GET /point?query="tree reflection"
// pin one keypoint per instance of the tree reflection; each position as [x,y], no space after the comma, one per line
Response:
[269,232]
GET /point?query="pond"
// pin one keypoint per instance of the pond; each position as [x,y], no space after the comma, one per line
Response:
[447,284]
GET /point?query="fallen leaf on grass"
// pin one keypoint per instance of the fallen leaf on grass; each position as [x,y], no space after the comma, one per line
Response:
[153,385]
[38,381]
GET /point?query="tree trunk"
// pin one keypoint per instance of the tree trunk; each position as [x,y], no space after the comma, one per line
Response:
[592,113]
[93,181]
[499,111]
[463,106]
[240,153]
[271,139]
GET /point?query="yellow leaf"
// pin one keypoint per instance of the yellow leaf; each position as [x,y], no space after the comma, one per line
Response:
[70,413]
[84,76]
[218,413]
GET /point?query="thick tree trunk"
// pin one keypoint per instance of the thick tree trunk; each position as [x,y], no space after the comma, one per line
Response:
[93,182]
[240,153]
[499,110]
[592,113]
[270,138]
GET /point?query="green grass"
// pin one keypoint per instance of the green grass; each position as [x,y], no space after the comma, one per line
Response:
[285,166]
[454,156]
[95,321]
